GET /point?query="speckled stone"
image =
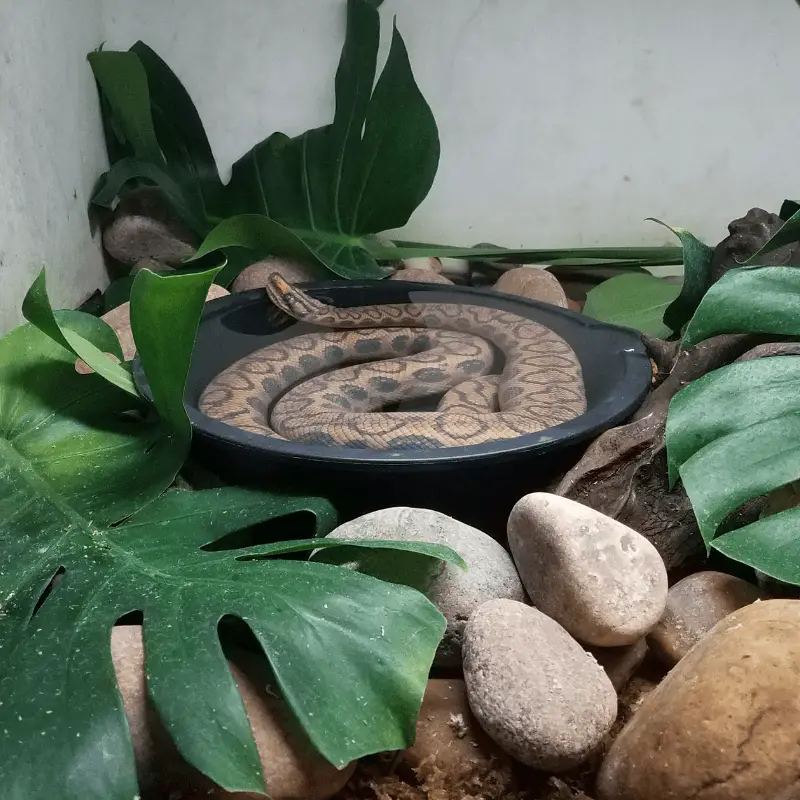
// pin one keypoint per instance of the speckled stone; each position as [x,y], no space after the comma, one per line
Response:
[533,688]
[602,581]
[694,606]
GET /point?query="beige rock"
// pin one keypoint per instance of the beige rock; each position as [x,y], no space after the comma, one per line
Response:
[449,739]
[602,581]
[427,264]
[533,283]
[723,724]
[533,688]
[145,227]
[620,663]
[419,276]
[255,276]
[694,606]
[119,319]
[292,771]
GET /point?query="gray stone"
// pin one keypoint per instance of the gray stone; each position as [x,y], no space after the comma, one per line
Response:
[145,228]
[602,581]
[694,606]
[455,592]
[533,688]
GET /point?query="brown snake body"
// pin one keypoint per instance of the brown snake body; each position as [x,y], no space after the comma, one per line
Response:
[313,389]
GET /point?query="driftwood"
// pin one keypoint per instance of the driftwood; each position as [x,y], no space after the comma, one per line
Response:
[624,471]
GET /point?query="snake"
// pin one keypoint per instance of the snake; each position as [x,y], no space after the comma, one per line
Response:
[332,387]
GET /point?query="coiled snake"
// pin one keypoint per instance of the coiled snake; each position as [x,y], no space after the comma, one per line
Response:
[312,388]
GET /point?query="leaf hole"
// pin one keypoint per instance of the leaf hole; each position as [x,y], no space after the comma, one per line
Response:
[54,581]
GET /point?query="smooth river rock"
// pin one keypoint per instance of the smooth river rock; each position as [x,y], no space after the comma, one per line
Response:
[724,723]
[454,591]
[145,227]
[602,581]
[255,276]
[694,606]
[533,283]
[292,769]
[533,688]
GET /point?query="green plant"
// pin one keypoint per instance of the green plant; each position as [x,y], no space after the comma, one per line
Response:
[653,305]
[322,196]
[734,435]
[84,464]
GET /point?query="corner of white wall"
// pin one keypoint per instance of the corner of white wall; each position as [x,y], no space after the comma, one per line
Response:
[51,152]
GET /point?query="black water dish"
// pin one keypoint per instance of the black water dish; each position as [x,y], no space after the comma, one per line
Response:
[478,484]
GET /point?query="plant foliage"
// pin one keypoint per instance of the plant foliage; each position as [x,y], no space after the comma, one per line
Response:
[83,468]
[322,196]
[734,435]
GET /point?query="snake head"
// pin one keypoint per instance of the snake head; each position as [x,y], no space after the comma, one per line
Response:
[292,301]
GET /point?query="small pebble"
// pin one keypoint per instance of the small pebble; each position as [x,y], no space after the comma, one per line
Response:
[602,581]
[533,688]
[694,606]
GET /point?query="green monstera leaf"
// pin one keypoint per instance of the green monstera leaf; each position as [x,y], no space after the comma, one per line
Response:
[88,537]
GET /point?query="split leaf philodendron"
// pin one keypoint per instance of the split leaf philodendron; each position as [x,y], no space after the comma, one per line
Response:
[84,464]
[321,197]
[734,435]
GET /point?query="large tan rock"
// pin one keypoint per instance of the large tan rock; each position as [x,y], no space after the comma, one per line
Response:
[292,770]
[449,739]
[725,722]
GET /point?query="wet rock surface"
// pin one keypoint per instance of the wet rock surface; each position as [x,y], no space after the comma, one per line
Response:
[455,592]
[694,606]
[723,724]
[533,688]
[601,580]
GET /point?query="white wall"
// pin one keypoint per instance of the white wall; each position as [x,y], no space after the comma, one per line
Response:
[51,151]
[563,122]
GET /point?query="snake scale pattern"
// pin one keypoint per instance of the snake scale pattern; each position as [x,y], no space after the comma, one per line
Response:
[330,387]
